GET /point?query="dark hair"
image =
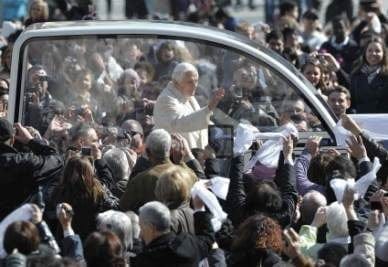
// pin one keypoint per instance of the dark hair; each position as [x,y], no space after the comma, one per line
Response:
[273,35]
[310,15]
[79,130]
[258,233]
[384,63]
[339,19]
[316,63]
[340,89]
[22,235]
[332,253]
[104,249]
[341,166]
[149,68]
[317,168]
[79,181]
[285,7]
[165,45]
[264,197]
[287,31]
[291,55]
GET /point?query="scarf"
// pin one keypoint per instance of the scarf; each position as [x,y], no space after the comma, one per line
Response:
[371,71]
[339,46]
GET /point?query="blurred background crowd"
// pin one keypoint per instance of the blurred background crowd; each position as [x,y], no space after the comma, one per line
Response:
[89,178]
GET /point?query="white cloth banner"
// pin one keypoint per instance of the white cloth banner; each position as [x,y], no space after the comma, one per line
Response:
[269,152]
[210,200]
[360,187]
[219,186]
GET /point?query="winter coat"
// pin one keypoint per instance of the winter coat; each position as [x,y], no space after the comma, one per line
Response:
[369,97]
[179,250]
[22,172]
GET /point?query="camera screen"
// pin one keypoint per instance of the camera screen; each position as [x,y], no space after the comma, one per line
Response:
[221,140]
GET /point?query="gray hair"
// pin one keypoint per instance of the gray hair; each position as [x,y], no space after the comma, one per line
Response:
[181,69]
[310,203]
[158,143]
[118,163]
[355,260]
[337,221]
[135,224]
[156,214]
[119,223]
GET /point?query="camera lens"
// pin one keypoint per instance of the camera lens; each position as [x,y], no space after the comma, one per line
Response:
[43,78]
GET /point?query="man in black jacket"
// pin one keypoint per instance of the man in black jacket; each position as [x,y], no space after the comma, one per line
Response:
[165,248]
[22,172]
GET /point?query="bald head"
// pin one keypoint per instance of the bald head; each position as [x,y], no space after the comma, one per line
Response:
[310,203]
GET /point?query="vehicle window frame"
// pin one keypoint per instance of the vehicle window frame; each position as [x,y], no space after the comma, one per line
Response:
[22,69]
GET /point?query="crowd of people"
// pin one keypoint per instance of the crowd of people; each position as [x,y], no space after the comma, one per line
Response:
[111,164]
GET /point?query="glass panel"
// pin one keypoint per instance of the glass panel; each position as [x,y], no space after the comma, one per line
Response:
[109,80]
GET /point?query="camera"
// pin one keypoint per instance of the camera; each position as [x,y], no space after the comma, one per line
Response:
[86,151]
[43,78]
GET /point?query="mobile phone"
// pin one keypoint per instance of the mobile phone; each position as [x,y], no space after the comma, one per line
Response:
[86,151]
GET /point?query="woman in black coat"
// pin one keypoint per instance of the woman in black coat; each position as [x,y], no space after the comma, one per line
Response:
[369,81]
[80,188]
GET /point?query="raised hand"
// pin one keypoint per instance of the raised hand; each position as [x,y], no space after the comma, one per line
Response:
[356,147]
[320,217]
[288,147]
[312,145]
[22,134]
[216,98]
[349,124]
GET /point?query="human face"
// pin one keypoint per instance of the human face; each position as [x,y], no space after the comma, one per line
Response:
[39,81]
[188,84]
[91,138]
[338,103]
[312,73]
[309,25]
[133,53]
[167,54]
[339,31]
[146,232]
[86,83]
[37,11]
[292,40]
[374,53]
[276,45]
[246,78]
[130,83]
[298,107]
[143,75]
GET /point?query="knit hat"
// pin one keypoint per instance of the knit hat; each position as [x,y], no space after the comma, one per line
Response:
[6,130]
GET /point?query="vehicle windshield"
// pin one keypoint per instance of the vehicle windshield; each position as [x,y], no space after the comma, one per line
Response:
[110,80]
